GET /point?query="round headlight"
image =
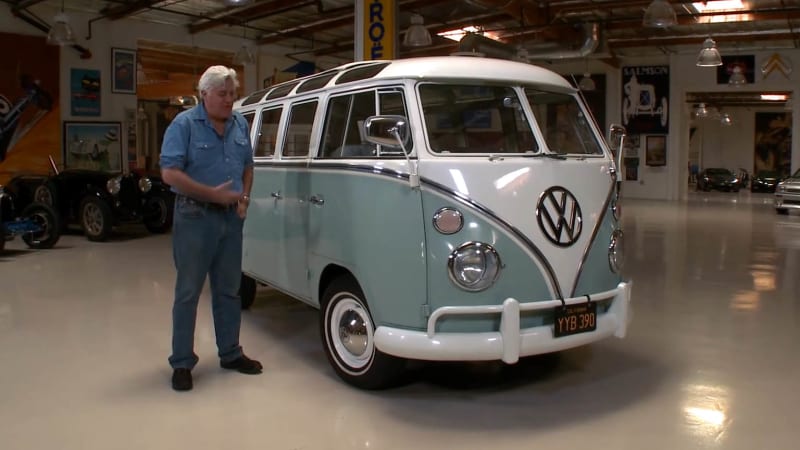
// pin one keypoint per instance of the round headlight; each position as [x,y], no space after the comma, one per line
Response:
[616,253]
[145,184]
[448,220]
[474,266]
[114,185]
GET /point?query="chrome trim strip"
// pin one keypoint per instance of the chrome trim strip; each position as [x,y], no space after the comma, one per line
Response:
[594,235]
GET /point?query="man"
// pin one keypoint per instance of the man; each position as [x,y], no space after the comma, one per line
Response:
[207,158]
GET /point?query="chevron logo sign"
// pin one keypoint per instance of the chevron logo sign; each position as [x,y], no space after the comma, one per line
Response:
[776,63]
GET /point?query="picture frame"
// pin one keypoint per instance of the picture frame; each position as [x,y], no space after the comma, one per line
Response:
[85,91]
[656,151]
[123,71]
[92,146]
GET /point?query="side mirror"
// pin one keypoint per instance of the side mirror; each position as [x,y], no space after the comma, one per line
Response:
[392,132]
[388,131]
[616,141]
[616,135]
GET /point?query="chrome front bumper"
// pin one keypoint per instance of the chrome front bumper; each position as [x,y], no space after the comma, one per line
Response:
[787,200]
[510,342]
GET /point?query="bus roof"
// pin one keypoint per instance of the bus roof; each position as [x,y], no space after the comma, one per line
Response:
[430,68]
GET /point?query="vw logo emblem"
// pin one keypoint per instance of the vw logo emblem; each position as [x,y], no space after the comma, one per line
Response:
[559,216]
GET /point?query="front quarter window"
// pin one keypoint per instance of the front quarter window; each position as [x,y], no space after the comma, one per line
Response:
[566,128]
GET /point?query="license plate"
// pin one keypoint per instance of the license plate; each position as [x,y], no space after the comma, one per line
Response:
[574,319]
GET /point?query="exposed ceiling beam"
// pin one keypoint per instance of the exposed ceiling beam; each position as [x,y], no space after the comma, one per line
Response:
[123,11]
[344,18]
[243,15]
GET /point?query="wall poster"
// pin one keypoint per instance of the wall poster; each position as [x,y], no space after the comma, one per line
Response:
[656,151]
[84,90]
[773,142]
[645,99]
[93,146]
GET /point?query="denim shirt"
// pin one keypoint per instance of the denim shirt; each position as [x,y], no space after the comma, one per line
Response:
[192,145]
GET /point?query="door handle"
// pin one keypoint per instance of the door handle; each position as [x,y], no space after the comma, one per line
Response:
[277,195]
[316,200]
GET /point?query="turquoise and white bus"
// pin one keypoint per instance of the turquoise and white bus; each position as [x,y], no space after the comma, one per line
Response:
[444,208]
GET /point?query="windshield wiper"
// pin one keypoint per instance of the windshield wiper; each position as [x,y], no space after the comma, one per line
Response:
[544,155]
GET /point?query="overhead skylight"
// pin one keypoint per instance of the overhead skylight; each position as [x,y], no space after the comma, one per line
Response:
[718,6]
[459,33]
[727,9]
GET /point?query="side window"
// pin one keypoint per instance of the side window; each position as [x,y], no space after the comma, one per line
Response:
[268,134]
[249,118]
[335,125]
[298,132]
[392,103]
[343,135]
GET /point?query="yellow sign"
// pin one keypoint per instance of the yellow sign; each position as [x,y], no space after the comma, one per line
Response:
[379,29]
[776,63]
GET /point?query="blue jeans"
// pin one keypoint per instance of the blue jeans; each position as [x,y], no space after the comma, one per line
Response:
[206,242]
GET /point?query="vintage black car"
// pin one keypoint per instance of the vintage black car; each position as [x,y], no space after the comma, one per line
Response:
[765,181]
[99,200]
[718,178]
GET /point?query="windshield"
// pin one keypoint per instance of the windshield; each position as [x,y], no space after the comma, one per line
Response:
[796,174]
[475,119]
[719,172]
[566,128]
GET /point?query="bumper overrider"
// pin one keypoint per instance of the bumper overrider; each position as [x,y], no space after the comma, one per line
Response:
[510,342]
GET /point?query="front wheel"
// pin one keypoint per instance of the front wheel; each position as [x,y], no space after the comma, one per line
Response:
[158,213]
[96,218]
[782,211]
[348,338]
[46,220]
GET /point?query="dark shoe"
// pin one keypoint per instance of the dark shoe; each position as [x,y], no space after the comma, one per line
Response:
[182,380]
[243,364]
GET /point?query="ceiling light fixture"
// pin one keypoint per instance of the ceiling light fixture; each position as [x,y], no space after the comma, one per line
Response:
[659,14]
[61,32]
[725,119]
[417,35]
[236,2]
[701,110]
[737,77]
[587,83]
[709,55]
[244,56]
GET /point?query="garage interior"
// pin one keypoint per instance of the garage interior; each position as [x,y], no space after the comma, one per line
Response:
[707,362]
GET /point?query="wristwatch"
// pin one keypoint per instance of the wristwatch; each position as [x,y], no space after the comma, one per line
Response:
[246,198]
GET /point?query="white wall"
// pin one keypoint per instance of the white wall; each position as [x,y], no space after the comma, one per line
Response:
[730,147]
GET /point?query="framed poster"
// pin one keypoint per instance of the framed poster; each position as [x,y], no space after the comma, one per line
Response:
[656,151]
[773,142]
[92,146]
[84,92]
[645,99]
[123,71]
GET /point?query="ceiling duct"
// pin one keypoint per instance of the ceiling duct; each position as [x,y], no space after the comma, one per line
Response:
[589,45]
[472,42]
[476,43]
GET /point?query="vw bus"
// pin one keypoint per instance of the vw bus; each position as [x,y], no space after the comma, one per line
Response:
[442,208]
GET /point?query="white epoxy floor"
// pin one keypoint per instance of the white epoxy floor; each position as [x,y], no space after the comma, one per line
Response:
[711,360]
